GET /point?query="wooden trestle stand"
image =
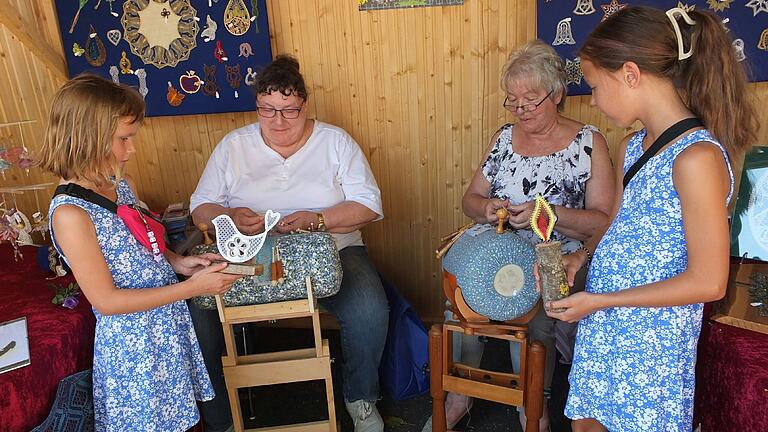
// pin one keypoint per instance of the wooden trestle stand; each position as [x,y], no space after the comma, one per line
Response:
[276,367]
[525,388]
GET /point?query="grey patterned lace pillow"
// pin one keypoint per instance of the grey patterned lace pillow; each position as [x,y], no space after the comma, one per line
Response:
[305,254]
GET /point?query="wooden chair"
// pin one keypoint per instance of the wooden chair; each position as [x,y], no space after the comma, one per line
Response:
[525,388]
[276,367]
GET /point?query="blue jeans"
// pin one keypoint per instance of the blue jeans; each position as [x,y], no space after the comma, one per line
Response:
[360,307]
[362,310]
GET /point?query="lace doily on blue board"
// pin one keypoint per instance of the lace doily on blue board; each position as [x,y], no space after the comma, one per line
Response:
[566,24]
[183,56]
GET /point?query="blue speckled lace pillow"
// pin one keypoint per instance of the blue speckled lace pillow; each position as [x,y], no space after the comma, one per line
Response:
[305,254]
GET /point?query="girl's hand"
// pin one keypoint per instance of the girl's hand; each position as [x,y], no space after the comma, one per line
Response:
[520,215]
[189,265]
[572,263]
[301,220]
[210,280]
[246,220]
[577,306]
[491,206]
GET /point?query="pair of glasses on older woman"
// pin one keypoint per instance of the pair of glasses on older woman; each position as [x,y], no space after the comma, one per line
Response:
[529,107]
[287,113]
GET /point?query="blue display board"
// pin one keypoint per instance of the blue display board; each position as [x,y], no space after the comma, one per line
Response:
[184,56]
[566,24]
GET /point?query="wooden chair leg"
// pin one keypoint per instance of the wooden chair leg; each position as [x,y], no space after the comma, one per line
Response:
[234,403]
[534,403]
[331,402]
[436,378]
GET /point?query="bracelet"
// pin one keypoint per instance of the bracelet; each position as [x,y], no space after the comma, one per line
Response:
[320,222]
[589,254]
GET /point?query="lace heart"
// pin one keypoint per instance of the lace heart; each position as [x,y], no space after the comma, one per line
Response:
[114,36]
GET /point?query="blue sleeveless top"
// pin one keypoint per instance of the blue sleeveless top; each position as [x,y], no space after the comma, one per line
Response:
[560,177]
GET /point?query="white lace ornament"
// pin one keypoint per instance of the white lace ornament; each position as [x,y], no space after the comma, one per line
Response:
[564,33]
[20,223]
[237,247]
[584,7]
[573,71]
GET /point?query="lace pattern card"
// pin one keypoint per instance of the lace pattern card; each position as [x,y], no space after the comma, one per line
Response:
[14,345]
[366,5]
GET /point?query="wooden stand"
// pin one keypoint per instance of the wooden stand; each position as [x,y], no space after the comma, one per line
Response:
[276,367]
[523,389]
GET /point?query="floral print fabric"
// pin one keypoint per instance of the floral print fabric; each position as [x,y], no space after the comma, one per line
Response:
[634,367]
[147,366]
[560,177]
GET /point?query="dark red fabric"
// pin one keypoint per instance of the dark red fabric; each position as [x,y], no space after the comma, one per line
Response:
[731,379]
[61,340]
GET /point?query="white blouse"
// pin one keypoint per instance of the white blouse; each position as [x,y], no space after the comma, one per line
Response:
[329,169]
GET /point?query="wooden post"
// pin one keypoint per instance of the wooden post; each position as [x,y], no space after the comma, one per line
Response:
[554,285]
[436,378]
[534,392]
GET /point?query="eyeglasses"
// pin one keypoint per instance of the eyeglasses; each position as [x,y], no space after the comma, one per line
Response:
[529,107]
[287,113]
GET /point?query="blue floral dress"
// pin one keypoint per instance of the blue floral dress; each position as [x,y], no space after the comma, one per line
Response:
[147,366]
[634,367]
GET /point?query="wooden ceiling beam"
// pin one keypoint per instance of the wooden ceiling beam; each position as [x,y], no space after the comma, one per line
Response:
[12,19]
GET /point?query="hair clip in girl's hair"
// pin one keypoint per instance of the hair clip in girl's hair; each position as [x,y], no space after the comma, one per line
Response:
[681,55]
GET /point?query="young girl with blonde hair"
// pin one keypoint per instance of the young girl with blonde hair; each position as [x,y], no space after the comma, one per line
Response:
[147,366]
[666,251]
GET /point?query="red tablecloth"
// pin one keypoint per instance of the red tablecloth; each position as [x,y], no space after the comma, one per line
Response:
[61,340]
[731,379]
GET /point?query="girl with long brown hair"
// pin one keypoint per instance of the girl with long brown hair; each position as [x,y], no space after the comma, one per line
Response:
[666,250]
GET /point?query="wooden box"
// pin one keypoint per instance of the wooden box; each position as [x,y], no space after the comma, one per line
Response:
[735,309]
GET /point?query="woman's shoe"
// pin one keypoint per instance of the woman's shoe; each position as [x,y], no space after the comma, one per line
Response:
[456,407]
[365,416]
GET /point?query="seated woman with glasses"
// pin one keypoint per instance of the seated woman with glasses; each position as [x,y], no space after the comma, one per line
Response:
[317,177]
[545,153]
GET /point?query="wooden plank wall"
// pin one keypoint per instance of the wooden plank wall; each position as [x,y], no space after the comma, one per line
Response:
[417,88]
[27,86]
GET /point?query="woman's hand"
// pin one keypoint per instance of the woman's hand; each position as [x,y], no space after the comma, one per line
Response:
[520,215]
[489,211]
[189,265]
[572,263]
[210,280]
[301,220]
[246,220]
[577,306]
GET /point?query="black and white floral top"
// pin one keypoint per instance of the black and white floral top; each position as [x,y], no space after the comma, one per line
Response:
[560,177]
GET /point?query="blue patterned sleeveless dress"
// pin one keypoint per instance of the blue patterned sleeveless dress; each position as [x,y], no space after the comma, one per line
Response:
[147,366]
[634,367]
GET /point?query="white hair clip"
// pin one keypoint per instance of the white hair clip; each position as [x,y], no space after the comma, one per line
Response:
[681,55]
